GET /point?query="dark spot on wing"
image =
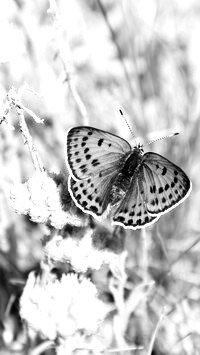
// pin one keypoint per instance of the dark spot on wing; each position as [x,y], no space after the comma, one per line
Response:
[175,172]
[90,133]
[156,201]
[83,144]
[78,197]
[172,184]
[109,144]
[84,203]
[146,220]
[89,197]
[139,222]
[175,180]
[88,156]
[100,174]
[94,209]
[163,200]
[153,189]
[130,222]
[139,214]
[176,192]
[166,187]
[160,190]
[164,171]
[95,162]
[75,189]
[120,219]
[85,192]
[81,185]
[76,153]
[86,150]
[100,142]
[132,214]
[85,138]
[75,145]
[78,160]
[89,181]
[170,196]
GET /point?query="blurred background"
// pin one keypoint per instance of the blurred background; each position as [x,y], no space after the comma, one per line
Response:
[96,57]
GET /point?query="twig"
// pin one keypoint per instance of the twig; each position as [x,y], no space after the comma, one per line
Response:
[65,56]
[14,99]
[46,345]
[145,277]
[145,248]
[153,338]
[28,139]
[116,287]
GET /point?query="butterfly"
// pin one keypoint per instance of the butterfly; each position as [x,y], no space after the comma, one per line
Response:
[107,175]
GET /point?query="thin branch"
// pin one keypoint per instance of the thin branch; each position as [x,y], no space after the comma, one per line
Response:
[46,345]
[14,99]
[153,338]
[29,140]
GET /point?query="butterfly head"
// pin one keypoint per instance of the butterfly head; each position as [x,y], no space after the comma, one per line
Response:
[139,149]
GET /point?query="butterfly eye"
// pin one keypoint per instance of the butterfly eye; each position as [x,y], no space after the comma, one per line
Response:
[140,147]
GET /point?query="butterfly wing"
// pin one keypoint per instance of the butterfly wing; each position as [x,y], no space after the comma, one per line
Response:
[91,151]
[165,184]
[132,212]
[94,158]
[92,195]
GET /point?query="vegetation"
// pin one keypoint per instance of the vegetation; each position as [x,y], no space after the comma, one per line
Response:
[69,283]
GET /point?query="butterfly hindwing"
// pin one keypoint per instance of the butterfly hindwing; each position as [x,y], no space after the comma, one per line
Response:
[132,212]
[165,184]
[91,151]
[92,195]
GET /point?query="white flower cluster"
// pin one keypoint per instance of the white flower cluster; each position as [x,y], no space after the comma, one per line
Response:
[61,307]
[39,197]
[80,253]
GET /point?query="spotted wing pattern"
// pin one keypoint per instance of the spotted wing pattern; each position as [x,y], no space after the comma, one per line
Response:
[92,195]
[91,151]
[165,184]
[132,212]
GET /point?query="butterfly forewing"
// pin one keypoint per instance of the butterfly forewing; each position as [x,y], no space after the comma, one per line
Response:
[165,184]
[91,151]
[132,212]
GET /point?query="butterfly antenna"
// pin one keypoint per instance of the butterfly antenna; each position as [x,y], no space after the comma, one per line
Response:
[164,137]
[125,119]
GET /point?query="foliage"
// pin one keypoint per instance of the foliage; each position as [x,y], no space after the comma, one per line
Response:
[101,288]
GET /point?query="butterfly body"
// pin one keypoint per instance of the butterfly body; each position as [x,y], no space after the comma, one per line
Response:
[107,174]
